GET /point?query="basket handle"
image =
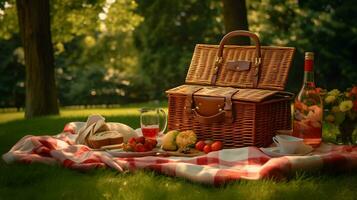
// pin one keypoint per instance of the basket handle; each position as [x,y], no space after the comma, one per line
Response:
[257,60]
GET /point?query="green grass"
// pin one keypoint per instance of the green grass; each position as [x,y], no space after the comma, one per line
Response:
[20,181]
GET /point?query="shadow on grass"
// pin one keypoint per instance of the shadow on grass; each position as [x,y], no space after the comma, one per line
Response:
[54,182]
[38,181]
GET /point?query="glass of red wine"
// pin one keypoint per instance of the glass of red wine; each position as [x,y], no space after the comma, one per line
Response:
[151,125]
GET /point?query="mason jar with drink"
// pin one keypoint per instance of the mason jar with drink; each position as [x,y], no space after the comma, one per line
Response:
[153,122]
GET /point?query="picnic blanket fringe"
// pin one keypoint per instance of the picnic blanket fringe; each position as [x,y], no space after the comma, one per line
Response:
[214,168]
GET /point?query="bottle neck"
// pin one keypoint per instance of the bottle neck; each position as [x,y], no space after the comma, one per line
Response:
[309,74]
[309,79]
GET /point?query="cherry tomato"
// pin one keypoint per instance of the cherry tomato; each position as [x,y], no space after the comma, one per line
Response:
[216,146]
[200,145]
[207,148]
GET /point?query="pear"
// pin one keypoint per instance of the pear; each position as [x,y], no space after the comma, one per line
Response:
[169,141]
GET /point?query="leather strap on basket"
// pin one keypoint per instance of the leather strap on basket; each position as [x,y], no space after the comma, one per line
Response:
[189,100]
[223,115]
[229,106]
[219,117]
[257,60]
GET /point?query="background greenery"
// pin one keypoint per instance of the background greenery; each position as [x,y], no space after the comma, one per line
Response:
[110,52]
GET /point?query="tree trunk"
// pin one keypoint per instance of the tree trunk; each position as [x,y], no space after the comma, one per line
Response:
[34,23]
[235,18]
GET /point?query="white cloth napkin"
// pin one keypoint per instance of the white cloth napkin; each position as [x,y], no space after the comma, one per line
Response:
[95,122]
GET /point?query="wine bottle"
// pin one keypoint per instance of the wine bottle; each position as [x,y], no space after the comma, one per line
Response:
[308,107]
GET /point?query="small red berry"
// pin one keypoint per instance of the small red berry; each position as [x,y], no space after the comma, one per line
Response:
[140,148]
[132,140]
[151,141]
[149,146]
[140,139]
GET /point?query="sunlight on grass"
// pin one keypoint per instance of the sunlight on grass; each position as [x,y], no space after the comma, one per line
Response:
[76,112]
[103,111]
[68,113]
[6,117]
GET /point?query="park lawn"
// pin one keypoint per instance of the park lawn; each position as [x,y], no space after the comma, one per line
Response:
[37,181]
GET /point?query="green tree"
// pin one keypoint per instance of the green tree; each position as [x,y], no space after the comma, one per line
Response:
[107,46]
[235,18]
[332,35]
[326,27]
[12,70]
[124,51]
[86,34]
[166,39]
[34,23]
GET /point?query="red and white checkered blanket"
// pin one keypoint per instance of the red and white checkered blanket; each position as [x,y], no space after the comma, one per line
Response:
[213,168]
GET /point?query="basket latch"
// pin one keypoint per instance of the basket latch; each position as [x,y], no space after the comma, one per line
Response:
[189,100]
[209,110]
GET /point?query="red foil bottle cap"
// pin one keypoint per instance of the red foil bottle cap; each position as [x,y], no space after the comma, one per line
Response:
[309,61]
[309,65]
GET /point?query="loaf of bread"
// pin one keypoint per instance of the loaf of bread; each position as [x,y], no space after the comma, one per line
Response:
[124,129]
[105,138]
[97,133]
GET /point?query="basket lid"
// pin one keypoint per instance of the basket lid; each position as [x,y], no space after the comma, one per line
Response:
[261,67]
[243,94]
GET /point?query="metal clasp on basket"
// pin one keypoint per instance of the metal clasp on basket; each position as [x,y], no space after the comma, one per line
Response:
[218,62]
[257,61]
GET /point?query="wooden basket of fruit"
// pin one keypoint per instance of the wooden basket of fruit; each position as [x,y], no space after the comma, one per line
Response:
[234,94]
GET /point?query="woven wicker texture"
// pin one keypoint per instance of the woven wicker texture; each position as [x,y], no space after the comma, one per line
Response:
[252,95]
[274,70]
[250,80]
[254,124]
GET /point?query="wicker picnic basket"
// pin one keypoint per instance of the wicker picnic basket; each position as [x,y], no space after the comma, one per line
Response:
[234,94]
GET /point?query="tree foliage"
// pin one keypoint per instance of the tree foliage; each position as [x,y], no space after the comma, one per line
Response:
[327,28]
[166,39]
[115,51]
[12,76]
[86,34]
